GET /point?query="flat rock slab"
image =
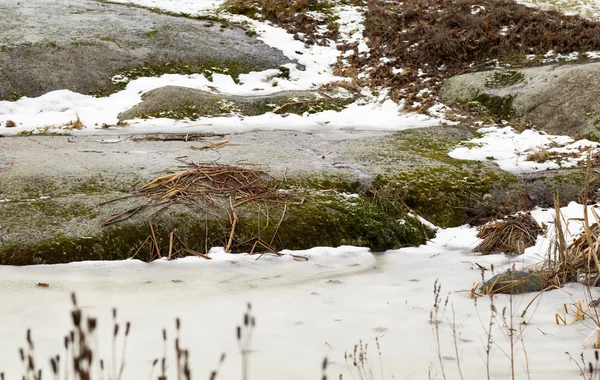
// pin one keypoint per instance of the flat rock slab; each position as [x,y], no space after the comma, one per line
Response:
[350,187]
[81,45]
[558,99]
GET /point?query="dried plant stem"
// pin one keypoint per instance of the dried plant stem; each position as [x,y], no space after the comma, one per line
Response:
[456,337]
[234,220]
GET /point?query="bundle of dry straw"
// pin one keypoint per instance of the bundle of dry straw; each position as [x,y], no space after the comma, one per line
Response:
[509,235]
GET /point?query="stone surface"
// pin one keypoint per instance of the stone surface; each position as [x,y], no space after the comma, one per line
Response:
[181,102]
[54,188]
[516,282]
[558,99]
[95,40]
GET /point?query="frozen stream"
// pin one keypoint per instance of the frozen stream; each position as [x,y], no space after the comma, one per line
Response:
[304,311]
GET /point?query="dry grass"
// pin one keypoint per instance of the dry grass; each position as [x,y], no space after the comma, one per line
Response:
[295,16]
[540,156]
[217,190]
[433,40]
[576,261]
[510,235]
[10,124]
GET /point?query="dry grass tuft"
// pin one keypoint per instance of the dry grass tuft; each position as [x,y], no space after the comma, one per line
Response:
[510,235]
[215,190]
[10,124]
[540,156]
[295,16]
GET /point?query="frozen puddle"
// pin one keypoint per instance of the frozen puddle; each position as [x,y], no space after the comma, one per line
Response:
[304,311]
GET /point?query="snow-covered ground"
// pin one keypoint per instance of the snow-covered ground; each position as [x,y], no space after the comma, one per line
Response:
[54,111]
[305,310]
[586,8]
[515,152]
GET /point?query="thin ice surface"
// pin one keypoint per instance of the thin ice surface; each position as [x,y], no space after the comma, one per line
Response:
[304,311]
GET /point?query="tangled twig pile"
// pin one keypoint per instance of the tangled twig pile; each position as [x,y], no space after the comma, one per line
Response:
[212,188]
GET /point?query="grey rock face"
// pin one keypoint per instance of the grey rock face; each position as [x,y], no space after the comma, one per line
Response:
[516,282]
[558,99]
[80,45]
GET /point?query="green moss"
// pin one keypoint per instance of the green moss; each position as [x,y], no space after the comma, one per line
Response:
[15,95]
[321,183]
[284,72]
[324,218]
[207,67]
[223,106]
[498,106]
[91,186]
[426,147]
[504,78]
[332,220]
[152,33]
[575,176]
[443,195]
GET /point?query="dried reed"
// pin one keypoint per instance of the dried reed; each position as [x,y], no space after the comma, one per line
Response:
[510,235]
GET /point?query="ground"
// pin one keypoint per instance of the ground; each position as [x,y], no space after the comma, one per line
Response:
[352,238]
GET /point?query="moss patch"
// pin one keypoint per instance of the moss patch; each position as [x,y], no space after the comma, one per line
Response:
[325,218]
[207,67]
[497,106]
[443,195]
[185,103]
[504,78]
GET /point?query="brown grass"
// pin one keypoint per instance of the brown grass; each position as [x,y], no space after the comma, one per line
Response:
[291,15]
[510,235]
[445,37]
[217,190]
[540,156]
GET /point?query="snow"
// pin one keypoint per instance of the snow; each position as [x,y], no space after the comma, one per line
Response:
[585,8]
[308,304]
[305,310]
[54,111]
[509,149]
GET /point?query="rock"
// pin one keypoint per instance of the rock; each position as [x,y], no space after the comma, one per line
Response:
[81,45]
[182,102]
[558,99]
[516,282]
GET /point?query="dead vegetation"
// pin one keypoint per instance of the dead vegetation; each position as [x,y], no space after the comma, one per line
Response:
[302,18]
[509,235]
[426,42]
[218,191]
[540,156]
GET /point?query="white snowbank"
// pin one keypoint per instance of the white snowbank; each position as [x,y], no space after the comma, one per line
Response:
[510,149]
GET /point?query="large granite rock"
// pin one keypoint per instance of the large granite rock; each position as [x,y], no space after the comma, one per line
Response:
[81,45]
[558,99]
[182,102]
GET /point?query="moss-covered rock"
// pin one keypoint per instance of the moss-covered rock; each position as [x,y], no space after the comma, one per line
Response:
[315,218]
[516,282]
[183,102]
[558,99]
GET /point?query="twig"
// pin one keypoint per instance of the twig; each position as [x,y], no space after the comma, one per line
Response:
[233,224]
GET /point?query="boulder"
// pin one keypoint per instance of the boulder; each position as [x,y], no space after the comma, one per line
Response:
[516,282]
[558,99]
[81,45]
[178,102]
